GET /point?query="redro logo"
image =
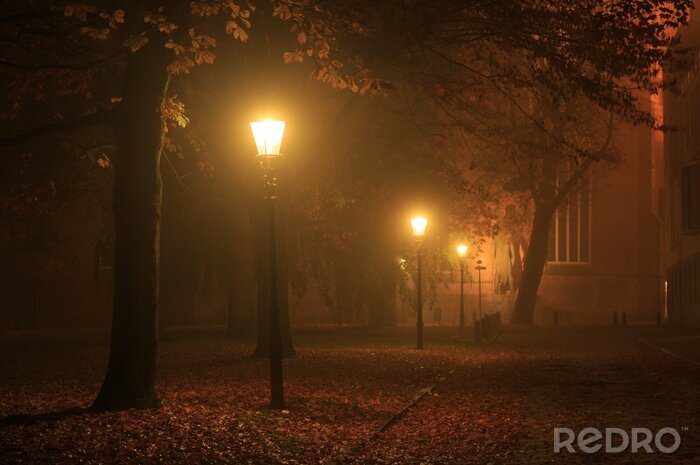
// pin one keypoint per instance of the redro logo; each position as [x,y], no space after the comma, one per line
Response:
[589,440]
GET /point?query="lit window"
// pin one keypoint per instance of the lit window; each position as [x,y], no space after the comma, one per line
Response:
[570,234]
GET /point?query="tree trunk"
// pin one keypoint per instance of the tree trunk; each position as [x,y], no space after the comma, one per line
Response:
[535,258]
[130,377]
[263,277]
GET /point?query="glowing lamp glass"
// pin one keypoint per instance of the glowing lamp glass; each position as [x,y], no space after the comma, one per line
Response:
[268,136]
[418,224]
[462,251]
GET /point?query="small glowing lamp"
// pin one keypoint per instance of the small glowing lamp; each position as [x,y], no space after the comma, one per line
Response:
[268,136]
[418,224]
[462,251]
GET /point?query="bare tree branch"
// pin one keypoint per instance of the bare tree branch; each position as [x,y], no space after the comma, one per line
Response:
[44,66]
[99,118]
[573,180]
[30,16]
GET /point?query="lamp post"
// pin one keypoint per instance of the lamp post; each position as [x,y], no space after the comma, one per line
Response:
[419,224]
[462,254]
[268,139]
[479,268]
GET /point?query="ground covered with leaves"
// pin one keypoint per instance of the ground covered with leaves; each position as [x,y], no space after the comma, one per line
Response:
[492,404]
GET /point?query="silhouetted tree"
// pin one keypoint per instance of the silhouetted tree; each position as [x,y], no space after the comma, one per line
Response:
[99,66]
[482,61]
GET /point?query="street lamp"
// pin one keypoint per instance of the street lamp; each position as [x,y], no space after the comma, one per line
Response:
[478,327]
[419,224]
[268,139]
[402,264]
[462,254]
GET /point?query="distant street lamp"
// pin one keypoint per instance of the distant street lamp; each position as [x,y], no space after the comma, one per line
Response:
[479,268]
[419,224]
[462,254]
[268,139]
[402,264]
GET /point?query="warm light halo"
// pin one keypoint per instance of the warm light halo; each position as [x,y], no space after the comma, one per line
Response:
[268,136]
[462,250]
[419,224]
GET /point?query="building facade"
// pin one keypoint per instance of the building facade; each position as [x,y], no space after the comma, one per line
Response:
[603,251]
[681,111]
[604,255]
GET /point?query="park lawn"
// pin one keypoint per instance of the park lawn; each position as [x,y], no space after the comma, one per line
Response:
[342,385]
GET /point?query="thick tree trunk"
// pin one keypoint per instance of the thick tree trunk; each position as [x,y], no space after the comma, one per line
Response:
[535,258]
[137,206]
[262,348]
